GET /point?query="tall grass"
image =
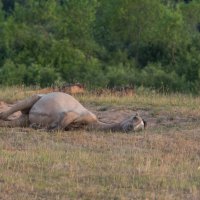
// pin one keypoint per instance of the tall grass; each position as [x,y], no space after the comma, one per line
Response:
[155,164]
[81,165]
[142,98]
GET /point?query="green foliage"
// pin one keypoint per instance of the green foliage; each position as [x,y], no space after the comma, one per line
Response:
[101,43]
[156,76]
[47,76]
[120,76]
[12,74]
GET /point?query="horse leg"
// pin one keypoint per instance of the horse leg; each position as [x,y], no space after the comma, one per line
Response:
[23,106]
[65,120]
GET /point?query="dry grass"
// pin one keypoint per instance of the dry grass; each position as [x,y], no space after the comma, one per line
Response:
[161,163]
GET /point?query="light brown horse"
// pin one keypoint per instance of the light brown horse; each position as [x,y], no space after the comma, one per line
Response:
[60,111]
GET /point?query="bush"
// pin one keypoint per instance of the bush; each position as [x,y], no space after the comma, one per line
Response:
[47,76]
[156,77]
[11,74]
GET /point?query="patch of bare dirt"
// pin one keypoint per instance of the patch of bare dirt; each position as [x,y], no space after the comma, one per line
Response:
[154,119]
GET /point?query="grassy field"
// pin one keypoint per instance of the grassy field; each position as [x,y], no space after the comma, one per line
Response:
[163,162]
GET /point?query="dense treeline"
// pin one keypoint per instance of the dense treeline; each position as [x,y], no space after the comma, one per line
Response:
[101,43]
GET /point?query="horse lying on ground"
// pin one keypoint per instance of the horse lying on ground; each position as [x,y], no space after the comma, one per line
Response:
[60,111]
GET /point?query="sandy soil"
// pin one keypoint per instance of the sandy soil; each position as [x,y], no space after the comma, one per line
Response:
[154,119]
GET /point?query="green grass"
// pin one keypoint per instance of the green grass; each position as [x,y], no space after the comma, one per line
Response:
[159,163]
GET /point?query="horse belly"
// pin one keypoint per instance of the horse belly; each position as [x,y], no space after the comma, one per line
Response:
[44,115]
[42,119]
[50,107]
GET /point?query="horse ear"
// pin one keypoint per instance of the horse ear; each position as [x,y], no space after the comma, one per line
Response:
[134,116]
[137,114]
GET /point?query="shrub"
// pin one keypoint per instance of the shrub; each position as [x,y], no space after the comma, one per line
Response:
[12,74]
